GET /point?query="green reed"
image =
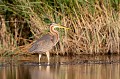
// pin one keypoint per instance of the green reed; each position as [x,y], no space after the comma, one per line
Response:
[94,24]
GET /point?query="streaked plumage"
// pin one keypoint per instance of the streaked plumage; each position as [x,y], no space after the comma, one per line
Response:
[46,42]
[43,44]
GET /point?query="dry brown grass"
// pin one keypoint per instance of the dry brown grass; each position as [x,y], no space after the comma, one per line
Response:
[94,26]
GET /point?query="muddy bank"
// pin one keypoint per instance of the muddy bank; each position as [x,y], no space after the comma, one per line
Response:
[60,60]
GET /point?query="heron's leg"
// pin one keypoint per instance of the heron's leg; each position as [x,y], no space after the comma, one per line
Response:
[48,57]
[39,58]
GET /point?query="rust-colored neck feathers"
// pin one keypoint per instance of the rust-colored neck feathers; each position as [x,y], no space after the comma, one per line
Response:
[55,34]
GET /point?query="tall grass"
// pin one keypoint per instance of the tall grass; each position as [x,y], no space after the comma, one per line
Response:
[94,24]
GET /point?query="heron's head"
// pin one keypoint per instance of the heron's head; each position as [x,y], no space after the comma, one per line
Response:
[58,26]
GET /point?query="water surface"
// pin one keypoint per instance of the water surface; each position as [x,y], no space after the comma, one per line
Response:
[105,68]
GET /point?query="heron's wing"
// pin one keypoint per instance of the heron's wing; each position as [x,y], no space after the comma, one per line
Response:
[43,44]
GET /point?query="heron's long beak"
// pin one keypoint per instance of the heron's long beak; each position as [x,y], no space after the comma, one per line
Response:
[63,27]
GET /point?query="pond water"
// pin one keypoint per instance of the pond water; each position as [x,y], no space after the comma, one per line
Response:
[67,68]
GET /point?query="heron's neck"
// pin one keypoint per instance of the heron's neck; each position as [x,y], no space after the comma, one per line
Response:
[54,33]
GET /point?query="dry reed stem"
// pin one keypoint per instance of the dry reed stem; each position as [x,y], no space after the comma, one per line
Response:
[91,33]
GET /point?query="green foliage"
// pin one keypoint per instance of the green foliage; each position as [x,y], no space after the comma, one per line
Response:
[93,23]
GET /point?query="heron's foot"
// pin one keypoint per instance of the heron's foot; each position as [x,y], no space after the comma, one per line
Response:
[48,63]
[39,63]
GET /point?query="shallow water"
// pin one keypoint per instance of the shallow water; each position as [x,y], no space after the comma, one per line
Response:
[67,68]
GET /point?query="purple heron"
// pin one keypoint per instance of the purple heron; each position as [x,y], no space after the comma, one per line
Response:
[46,42]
